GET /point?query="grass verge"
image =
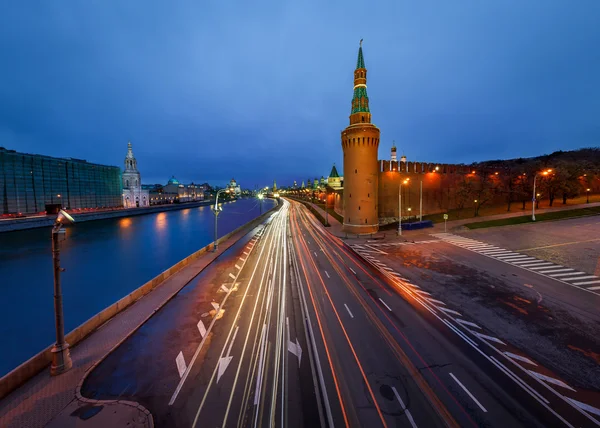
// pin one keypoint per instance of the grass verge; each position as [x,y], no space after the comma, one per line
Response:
[556,215]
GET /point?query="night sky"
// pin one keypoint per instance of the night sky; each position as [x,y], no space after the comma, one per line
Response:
[210,90]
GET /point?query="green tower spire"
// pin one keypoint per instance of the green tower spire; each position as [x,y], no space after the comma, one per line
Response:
[360,62]
[360,99]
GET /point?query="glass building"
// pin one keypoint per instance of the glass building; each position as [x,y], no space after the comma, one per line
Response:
[30,182]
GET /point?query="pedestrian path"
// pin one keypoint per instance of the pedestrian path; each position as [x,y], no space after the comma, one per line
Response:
[560,273]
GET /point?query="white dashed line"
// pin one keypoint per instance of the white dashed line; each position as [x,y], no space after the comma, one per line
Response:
[352,270]
[327,274]
[384,304]
[469,323]
[406,411]
[348,309]
[467,391]
[232,275]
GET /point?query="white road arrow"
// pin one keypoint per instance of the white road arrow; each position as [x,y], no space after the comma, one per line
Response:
[295,349]
[224,361]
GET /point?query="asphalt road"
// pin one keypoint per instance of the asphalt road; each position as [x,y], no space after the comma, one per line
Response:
[548,326]
[573,242]
[291,327]
[219,353]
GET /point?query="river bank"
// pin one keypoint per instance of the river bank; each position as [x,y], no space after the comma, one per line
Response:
[17,224]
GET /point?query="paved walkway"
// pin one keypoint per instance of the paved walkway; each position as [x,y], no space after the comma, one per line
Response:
[51,401]
[451,226]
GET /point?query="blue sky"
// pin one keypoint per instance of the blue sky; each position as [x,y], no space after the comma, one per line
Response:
[261,90]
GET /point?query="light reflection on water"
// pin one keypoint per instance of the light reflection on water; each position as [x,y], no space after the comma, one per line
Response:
[104,260]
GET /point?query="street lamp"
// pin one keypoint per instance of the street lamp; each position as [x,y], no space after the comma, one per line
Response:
[326,214]
[400,206]
[260,198]
[588,196]
[216,210]
[61,357]
[533,200]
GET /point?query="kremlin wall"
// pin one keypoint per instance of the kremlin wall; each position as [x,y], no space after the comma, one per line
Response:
[440,188]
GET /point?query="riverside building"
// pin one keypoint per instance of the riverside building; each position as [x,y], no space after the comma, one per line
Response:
[31,183]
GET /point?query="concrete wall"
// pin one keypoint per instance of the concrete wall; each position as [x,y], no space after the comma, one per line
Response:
[39,362]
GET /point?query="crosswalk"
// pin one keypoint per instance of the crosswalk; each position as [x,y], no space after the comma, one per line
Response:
[558,272]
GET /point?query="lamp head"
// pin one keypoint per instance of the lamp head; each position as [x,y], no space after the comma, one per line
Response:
[64,218]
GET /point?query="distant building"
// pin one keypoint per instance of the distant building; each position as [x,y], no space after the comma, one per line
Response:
[133,193]
[234,188]
[176,192]
[334,180]
[274,186]
[393,157]
[29,182]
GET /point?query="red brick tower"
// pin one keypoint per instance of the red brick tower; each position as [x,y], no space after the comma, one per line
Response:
[360,142]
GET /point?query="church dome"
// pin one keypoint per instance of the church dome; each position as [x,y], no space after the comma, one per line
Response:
[173,180]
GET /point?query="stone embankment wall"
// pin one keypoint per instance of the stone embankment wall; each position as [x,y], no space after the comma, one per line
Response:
[46,221]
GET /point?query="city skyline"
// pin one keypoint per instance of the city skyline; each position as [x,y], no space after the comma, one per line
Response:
[212,96]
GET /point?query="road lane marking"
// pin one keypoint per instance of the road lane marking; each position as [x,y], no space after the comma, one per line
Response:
[201,328]
[450,311]
[352,270]
[585,407]
[467,391]
[588,283]
[469,323]
[406,411]
[524,261]
[243,260]
[555,270]
[486,337]
[514,258]
[534,264]
[422,292]
[594,288]
[237,266]
[545,267]
[348,309]
[232,275]
[327,274]
[439,302]
[225,289]
[180,361]
[315,253]
[215,305]
[577,278]
[519,357]
[567,274]
[224,361]
[551,380]
[384,304]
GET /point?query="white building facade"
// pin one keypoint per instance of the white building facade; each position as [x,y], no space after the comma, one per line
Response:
[133,194]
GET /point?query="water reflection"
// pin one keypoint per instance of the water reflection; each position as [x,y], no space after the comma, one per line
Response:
[104,261]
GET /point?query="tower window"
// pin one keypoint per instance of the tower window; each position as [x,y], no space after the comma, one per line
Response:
[350,195]
[356,171]
[365,221]
[359,207]
[363,118]
[368,195]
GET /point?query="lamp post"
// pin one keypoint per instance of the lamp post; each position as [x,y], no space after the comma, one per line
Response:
[533,200]
[61,357]
[216,211]
[421,201]
[587,191]
[400,206]
[260,198]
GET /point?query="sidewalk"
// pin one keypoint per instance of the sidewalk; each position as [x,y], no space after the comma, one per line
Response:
[451,226]
[56,401]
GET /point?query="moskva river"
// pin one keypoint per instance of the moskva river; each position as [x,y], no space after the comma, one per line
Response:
[104,261]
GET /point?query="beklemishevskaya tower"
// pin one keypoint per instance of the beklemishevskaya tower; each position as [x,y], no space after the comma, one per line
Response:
[360,142]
